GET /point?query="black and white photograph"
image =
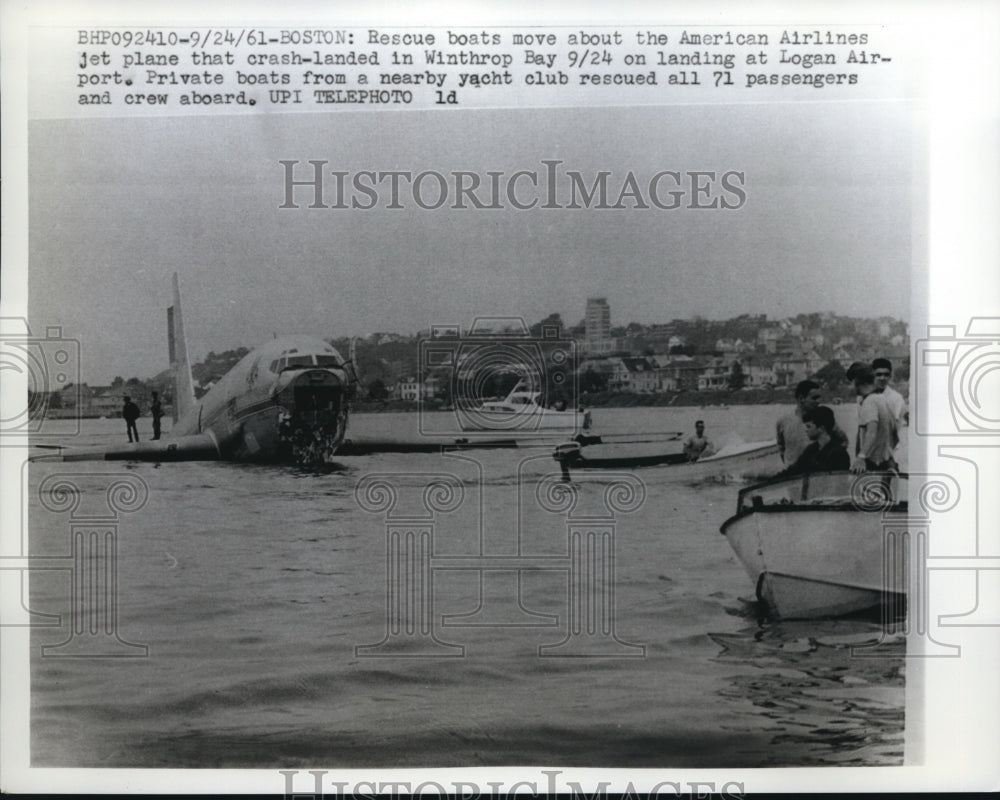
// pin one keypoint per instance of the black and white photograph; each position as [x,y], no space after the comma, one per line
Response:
[398,397]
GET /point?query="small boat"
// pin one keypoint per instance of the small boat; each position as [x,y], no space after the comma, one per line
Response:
[819,545]
[756,458]
[522,410]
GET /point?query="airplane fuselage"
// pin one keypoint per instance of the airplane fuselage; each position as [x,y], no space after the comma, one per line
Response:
[285,401]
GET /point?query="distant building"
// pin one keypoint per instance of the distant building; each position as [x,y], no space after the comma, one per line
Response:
[635,375]
[597,327]
[409,389]
[758,374]
[794,365]
[413,390]
[380,338]
[678,373]
[96,401]
[715,375]
[768,338]
[842,356]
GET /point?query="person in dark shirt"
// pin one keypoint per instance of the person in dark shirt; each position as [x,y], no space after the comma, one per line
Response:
[824,453]
[130,413]
[157,411]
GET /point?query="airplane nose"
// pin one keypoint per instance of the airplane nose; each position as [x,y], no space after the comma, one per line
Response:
[315,415]
[311,390]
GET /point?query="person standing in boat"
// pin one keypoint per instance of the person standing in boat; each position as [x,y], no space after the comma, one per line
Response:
[882,370]
[791,431]
[877,437]
[824,453]
[697,444]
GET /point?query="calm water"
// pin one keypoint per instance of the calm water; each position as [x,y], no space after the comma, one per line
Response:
[252,587]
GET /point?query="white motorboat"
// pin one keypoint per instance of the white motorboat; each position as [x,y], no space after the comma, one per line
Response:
[522,410]
[823,544]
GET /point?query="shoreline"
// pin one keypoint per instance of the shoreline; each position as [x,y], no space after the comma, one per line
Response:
[688,399]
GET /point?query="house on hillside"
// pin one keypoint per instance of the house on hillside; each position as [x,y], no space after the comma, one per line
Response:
[409,389]
[715,374]
[768,338]
[796,364]
[641,375]
[678,373]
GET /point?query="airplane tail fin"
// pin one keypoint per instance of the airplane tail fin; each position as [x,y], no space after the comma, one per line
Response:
[184,398]
[351,367]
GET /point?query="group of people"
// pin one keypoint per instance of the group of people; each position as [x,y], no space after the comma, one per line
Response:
[131,413]
[809,439]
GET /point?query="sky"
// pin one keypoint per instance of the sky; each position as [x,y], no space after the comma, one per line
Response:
[117,206]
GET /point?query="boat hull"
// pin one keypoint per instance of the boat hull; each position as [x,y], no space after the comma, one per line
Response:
[533,420]
[791,597]
[755,458]
[820,558]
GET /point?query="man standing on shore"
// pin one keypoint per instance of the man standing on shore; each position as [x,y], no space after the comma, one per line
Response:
[130,413]
[157,411]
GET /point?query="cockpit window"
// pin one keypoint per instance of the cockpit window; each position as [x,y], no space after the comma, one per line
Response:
[287,360]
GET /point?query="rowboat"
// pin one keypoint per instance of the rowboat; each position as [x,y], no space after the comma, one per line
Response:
[823,544]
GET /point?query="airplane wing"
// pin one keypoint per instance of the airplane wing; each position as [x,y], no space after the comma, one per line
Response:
[363,446]
[196,447]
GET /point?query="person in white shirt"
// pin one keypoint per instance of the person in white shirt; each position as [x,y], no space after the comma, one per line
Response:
[882,370]
[876,425]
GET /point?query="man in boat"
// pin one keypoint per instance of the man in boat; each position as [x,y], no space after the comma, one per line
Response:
[791,431]
[882,369]
[824,453]
[697,444]
[877,436]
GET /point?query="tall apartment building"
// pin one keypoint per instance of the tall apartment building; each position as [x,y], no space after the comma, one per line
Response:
[597,326]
